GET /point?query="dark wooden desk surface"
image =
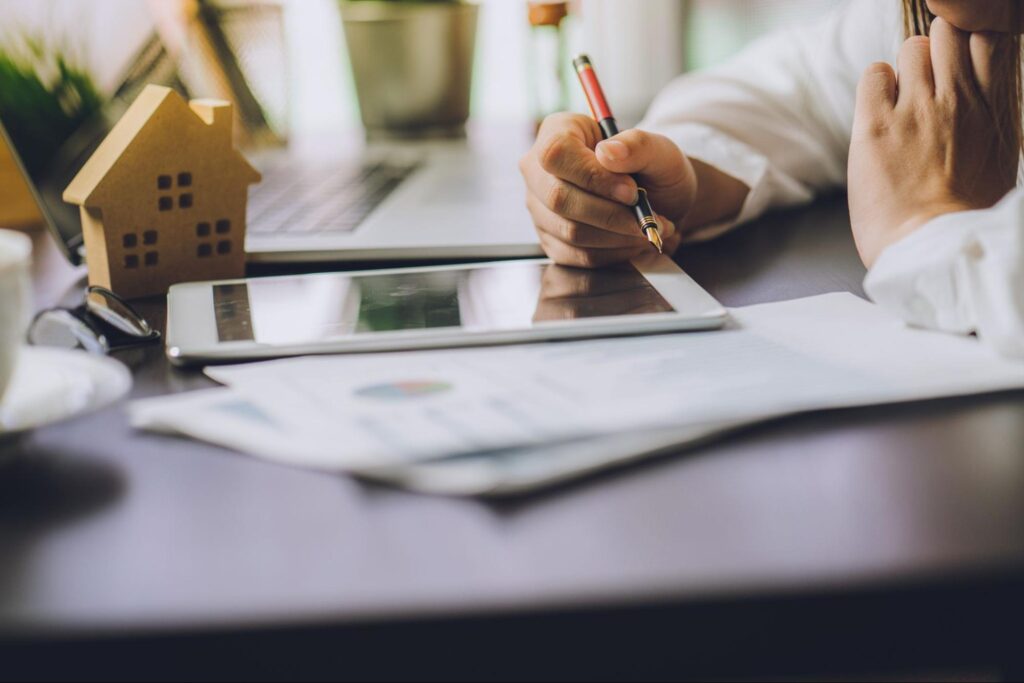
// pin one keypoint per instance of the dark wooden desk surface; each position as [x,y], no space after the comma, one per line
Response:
[870,539]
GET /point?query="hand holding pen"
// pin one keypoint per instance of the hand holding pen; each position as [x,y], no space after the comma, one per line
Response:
[581,190]
[609,128]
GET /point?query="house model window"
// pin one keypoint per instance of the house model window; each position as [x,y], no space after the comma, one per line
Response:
[154,213]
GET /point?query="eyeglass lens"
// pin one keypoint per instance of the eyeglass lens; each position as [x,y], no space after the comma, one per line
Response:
[114,311]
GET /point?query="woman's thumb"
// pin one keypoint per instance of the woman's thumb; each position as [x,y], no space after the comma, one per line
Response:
[654,157]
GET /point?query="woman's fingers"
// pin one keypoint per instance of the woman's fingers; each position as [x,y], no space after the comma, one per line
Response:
[658,163]
[654,157]
[579,245]
[876,93]
[915,69]
[577,222]
[967,63]
[580,234]
[572,203]
[570,255]
[951,60]
[564,149]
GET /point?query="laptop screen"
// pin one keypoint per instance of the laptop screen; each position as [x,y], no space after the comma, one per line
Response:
[50,174]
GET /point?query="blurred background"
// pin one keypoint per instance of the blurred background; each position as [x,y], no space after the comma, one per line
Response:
[303,73]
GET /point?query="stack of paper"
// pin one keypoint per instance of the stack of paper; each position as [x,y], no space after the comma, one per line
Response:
[387,414]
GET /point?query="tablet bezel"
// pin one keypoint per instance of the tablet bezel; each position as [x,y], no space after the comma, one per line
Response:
[192,330]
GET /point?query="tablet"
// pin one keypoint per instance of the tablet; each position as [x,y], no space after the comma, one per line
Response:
[433,307]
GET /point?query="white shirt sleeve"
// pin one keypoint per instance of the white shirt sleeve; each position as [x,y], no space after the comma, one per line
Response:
[779,115]
[963,273]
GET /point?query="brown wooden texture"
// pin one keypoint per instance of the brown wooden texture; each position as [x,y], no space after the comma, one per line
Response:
[163,199]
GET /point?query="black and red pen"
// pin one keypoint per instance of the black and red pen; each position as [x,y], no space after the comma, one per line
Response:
[603,115]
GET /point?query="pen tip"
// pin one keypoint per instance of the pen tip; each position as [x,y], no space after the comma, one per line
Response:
[655,238]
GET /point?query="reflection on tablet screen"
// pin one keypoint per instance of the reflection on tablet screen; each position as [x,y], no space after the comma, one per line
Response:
[304,309]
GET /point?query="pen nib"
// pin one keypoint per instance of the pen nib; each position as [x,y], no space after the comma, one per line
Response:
[654,237]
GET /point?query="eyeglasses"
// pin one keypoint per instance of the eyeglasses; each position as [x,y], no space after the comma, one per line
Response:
[103,323]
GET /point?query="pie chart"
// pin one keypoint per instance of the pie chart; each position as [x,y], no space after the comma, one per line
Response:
[403,391]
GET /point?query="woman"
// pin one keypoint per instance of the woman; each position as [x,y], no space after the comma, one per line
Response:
[930,162]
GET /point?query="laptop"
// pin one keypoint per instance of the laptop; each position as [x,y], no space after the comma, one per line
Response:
[443,200]
[434,201]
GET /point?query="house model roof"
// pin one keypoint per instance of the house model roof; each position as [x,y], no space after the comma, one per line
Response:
[83,188]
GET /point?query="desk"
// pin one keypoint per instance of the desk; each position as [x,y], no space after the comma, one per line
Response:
[871,539]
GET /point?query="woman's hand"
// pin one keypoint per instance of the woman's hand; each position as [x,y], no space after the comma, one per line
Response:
[579,190]
[940,140]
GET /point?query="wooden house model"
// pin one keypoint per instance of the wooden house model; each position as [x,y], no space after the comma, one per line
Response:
[163,198]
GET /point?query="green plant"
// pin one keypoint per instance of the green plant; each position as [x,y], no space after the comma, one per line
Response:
[44,98]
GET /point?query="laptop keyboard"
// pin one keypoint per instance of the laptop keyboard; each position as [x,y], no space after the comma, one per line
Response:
[296,199]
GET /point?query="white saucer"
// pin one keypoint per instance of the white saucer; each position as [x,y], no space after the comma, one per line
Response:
[53,385]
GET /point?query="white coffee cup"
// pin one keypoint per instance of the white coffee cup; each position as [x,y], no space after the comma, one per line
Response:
[15,300]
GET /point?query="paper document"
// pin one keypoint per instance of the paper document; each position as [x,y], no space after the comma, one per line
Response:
[385,410]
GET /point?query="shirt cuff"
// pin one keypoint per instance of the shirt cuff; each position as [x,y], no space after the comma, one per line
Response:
[920,277]
[962,272]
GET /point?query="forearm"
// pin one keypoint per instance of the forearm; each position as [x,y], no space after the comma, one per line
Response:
[720,198]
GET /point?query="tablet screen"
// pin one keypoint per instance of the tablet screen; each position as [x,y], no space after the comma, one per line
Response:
[316,308]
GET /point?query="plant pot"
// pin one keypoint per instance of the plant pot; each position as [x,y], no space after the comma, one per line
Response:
[413,65]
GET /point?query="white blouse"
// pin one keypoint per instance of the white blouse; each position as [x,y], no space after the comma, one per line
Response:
[779,117]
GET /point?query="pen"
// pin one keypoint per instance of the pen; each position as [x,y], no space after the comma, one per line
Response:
[602,113]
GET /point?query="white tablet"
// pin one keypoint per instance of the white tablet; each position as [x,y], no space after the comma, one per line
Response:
[440,306]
